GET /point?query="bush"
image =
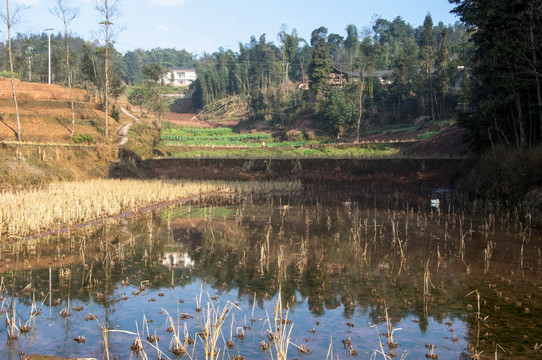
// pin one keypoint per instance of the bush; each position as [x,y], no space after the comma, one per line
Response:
[505,173]
[427,135]
[7,74]
[82,138]
[115,113]
[294,135]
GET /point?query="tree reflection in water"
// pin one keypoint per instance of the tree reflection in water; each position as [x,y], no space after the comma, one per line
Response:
[341,266]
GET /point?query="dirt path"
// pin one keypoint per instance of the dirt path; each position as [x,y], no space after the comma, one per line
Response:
[123,131]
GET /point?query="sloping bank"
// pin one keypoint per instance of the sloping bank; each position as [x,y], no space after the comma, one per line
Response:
[25,163]
[405,172]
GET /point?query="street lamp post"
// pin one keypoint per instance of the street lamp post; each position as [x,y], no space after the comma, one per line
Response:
[49,36]
[29,53]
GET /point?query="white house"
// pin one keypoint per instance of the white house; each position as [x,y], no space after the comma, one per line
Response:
[180,76]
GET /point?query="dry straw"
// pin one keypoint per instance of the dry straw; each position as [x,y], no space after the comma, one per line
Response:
[58,205]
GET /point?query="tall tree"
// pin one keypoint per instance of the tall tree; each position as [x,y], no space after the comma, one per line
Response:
[109,11]
[336,50]
[9,21]
[290,46]
[427,40]
[67,14]
[154,74]
[339,110]
[364,65]
[320,65]
[506,97]
[351,44]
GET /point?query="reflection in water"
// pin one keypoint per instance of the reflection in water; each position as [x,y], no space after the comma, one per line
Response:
[353,277]
[178,260]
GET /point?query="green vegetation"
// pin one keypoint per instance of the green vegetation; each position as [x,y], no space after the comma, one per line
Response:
[503,90]
[172,135]
[217,139]
[400,75]
[6,74]
[427,135]
[81,138]
[362,151]
[169,129]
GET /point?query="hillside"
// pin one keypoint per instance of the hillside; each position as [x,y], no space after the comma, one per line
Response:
[45,113]
[47,152]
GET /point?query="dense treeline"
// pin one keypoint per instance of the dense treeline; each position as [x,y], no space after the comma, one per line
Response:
[132,66]
[396,73]
[400,73]
[487,67]
[505,94]
[87,67]
[31,60]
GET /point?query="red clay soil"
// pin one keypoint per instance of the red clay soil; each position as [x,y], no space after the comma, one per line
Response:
[45,114]
[185,119]
[447,143]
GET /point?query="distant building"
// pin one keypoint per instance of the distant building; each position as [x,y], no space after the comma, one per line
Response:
[338,77]
[180,76]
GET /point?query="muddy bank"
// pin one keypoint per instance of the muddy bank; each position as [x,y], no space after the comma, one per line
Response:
[373,172]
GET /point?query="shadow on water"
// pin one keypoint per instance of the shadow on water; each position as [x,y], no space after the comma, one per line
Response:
[359,274]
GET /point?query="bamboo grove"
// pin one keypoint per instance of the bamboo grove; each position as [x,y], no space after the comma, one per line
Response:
[408,74]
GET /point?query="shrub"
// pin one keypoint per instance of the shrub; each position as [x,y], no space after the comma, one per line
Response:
[7,74]
[293,135]
[82,138]
[115,113]
[427,135]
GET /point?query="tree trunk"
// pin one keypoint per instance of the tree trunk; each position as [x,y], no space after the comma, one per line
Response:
[361,88]
[536,74]
[11,73]
[69,79]
[106,95]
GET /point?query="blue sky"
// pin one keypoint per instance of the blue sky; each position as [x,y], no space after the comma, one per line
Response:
[205,25]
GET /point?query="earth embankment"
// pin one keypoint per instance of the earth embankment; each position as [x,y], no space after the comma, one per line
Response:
[404,172]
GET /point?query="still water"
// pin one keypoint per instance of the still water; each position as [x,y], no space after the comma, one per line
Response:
[363,276]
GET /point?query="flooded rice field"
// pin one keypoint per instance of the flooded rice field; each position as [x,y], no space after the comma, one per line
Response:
[363,275]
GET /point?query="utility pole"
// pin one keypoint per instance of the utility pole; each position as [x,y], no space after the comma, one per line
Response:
[29,53]
[49,36]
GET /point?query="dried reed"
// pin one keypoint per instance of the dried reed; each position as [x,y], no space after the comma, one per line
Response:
[57,205]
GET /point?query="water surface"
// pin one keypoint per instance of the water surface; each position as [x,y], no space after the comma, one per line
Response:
[356,276]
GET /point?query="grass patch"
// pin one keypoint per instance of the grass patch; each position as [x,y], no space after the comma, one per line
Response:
[427,135]
[82,138]
[367,151]
[221,136]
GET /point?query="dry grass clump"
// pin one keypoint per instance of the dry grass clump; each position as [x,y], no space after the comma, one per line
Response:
[69,203]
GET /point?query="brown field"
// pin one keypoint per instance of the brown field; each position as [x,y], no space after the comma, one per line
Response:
[185,119]
[45,114]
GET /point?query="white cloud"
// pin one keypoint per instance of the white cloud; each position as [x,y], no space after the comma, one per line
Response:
[162,28]
[169,2]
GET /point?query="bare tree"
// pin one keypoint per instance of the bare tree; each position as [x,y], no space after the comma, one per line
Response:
[9,21]
[67,15]
[109,11]
[363,68]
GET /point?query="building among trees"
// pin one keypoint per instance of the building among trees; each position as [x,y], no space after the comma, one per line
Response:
[180,76]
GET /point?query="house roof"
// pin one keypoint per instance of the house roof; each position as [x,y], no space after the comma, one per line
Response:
[377,73]
[183,69]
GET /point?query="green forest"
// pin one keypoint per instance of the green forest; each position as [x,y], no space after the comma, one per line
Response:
[484,72]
